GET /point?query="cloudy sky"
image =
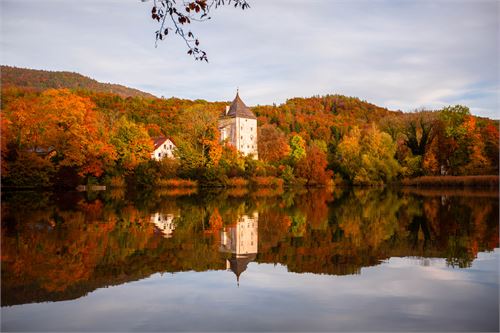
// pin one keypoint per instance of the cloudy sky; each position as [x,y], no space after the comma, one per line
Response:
[398,54]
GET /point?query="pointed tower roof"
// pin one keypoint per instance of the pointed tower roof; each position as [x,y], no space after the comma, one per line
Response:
[238,264]
[239,109]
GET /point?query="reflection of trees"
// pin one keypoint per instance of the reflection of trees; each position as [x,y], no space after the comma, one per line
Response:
[462,226]
[56,253]
[60,247]
[369,225]
[368,217]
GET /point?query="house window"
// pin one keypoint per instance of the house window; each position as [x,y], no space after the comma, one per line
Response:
[242,137]
[170,147]
[164,146]
[159,154]
[248,146]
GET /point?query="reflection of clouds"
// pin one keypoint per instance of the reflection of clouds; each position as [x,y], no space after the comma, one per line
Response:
[397,295]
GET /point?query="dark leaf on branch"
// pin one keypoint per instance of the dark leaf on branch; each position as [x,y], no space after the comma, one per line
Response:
[181,13]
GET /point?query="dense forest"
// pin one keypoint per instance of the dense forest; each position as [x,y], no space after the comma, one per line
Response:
[65,137]
[42,80]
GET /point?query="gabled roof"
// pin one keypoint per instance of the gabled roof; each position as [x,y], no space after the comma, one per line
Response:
[239,109]
[159,140]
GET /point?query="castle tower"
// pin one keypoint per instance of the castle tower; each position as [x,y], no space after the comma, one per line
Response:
[238,127]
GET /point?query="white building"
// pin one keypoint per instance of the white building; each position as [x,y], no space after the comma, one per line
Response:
[164,223]
[163,147]
[242,241]
[238,126]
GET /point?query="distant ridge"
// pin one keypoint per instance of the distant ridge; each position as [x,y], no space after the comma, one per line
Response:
[42,80]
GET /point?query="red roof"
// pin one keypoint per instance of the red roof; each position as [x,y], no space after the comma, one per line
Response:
[158,141]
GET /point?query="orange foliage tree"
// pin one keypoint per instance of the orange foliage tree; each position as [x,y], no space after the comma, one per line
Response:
[313,167]
[58,126]
[272,143]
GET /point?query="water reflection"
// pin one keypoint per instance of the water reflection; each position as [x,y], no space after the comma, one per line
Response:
[241,240]
[164,223]
[61,247]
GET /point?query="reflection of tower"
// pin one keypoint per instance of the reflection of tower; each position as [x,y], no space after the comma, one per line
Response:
[164,223]
[241,240]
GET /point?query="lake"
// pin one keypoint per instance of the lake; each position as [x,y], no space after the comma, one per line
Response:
[259,260]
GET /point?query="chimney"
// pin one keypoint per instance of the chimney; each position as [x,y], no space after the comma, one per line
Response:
[227,109]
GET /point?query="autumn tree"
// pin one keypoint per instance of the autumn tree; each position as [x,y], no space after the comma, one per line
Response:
[313,167]
[231,162]
[58,126]
[272,143]
[368,157]
[132,143]
[477,161]
[491,141]
[198,139]
[418,129]
[298,148]
[349,153]
[454,139]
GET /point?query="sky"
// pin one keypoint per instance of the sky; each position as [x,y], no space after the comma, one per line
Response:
[403,55]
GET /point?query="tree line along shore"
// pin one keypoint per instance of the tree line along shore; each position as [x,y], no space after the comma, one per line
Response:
[64,138]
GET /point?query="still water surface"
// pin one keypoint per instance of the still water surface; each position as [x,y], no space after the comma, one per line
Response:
[344,260]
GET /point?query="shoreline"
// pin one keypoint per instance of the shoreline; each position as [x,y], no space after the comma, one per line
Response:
[482,182]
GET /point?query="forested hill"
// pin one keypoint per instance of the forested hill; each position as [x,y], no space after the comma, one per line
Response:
[42,80]
[301,141]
